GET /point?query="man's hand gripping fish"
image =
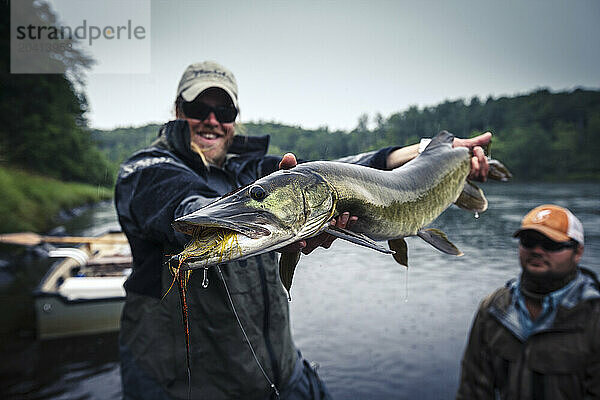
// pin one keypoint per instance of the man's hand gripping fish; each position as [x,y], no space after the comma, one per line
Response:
[289,205]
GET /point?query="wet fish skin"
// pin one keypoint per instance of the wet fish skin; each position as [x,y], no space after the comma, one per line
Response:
[296,205]
[290,205]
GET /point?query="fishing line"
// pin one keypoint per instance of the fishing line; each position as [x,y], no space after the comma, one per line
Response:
[189,376]
[406,286]
[271,384]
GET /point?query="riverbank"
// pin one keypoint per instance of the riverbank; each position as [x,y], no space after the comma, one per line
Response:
[31,202]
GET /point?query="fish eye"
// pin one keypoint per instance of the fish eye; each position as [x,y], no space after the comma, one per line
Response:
[257,192]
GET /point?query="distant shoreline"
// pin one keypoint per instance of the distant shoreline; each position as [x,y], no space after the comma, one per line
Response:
[32,202]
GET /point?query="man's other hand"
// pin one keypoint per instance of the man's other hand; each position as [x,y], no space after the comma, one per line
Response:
[479,162]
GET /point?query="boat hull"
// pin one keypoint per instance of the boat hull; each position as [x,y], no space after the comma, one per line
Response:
[58,317]
[82,293]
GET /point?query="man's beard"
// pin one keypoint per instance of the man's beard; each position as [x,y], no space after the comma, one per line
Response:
[218,155]
[536,285]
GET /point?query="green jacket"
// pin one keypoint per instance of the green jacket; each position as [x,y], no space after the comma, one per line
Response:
[561,361]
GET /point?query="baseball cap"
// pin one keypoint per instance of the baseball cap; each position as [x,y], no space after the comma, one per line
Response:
[200,76]
[557,223]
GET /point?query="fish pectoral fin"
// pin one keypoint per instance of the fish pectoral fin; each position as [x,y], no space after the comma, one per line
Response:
[287,266]
[472,198]
[400,251]
[439,240]
[356,238]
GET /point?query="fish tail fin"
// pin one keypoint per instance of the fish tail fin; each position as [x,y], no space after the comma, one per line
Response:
[439,240]
[472,198]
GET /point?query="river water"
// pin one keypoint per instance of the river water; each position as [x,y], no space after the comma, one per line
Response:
[377,330]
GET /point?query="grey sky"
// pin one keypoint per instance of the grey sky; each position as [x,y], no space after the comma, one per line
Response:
[316,63]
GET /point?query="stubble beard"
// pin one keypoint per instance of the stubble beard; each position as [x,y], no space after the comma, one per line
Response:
[543,282]
[213,154]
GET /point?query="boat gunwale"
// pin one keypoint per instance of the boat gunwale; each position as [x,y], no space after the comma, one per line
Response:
[39,292]
[42,294]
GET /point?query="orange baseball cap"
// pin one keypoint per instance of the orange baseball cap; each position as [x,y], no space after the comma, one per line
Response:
[557,223]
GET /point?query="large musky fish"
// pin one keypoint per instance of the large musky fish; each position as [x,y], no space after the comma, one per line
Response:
[290,205]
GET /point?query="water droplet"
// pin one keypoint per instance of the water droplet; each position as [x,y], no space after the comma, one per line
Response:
[476,215]
[205,279]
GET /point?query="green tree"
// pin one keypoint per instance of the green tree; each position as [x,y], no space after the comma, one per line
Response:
[42,116]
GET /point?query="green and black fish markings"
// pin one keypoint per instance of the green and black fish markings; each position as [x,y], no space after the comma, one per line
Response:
[290,205]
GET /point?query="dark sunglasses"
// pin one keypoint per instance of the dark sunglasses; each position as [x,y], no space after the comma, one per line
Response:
[529,242]
[224,114]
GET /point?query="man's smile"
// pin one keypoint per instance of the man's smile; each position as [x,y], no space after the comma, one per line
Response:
[209,135]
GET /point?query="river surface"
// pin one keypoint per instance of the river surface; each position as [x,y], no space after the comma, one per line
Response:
[377,330]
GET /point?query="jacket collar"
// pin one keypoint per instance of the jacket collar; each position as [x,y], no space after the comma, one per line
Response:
[249,146]
[584,288]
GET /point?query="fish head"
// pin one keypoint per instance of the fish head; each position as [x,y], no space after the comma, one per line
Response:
[270,213]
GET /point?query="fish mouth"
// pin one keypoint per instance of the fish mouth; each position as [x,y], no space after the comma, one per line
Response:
[218,233]
[250,224]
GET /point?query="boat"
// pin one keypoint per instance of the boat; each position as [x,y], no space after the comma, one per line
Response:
[82,293]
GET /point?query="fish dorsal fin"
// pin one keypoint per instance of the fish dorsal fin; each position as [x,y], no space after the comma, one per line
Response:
[287,267]
[472,198]
[356,238]
[443,138]
[400,251]
[439,240]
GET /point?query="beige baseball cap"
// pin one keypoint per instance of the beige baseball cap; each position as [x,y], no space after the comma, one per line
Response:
[557,223]
[200,76]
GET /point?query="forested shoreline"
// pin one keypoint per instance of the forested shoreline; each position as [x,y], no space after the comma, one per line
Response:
[48,160]
[541,136]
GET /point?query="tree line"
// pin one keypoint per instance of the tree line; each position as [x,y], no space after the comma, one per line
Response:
[43,128]
[539,136]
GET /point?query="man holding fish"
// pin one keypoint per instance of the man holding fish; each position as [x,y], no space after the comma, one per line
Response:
[237,341]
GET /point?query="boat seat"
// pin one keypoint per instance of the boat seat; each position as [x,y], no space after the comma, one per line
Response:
[76,254]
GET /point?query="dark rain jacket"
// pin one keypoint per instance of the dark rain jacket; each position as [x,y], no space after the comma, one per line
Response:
[561,361]
[164,182]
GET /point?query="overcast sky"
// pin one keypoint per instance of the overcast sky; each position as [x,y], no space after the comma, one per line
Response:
[316,63]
